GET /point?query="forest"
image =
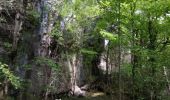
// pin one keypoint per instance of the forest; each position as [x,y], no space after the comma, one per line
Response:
[84,49]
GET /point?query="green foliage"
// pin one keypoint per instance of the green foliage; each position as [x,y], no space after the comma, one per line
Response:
[132,22]
[7,45]
[2,19]
[33,13]
[47,62]
[139,26]
[86,51]
[135,17]
[6,73]
[108,35]
[33,18]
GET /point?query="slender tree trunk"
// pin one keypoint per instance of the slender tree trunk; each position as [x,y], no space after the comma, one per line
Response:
[152,46]
[18,25]
[119,51]
[133,55]
[107,64]
[167,80]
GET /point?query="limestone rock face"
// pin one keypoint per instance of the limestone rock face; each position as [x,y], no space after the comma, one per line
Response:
[71,68]
[36,42]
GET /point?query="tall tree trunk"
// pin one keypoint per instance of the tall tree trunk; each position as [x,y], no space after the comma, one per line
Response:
[133,53]
[152,46]
[107,64]
[74,64]
[167,79]
[18,25]
[119,49]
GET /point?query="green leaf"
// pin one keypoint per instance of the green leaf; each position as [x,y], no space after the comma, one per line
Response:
[15,81]
[108,35]
[86,51]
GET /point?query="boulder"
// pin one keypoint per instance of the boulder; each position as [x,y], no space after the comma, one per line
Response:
[78,92]
[85,87]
